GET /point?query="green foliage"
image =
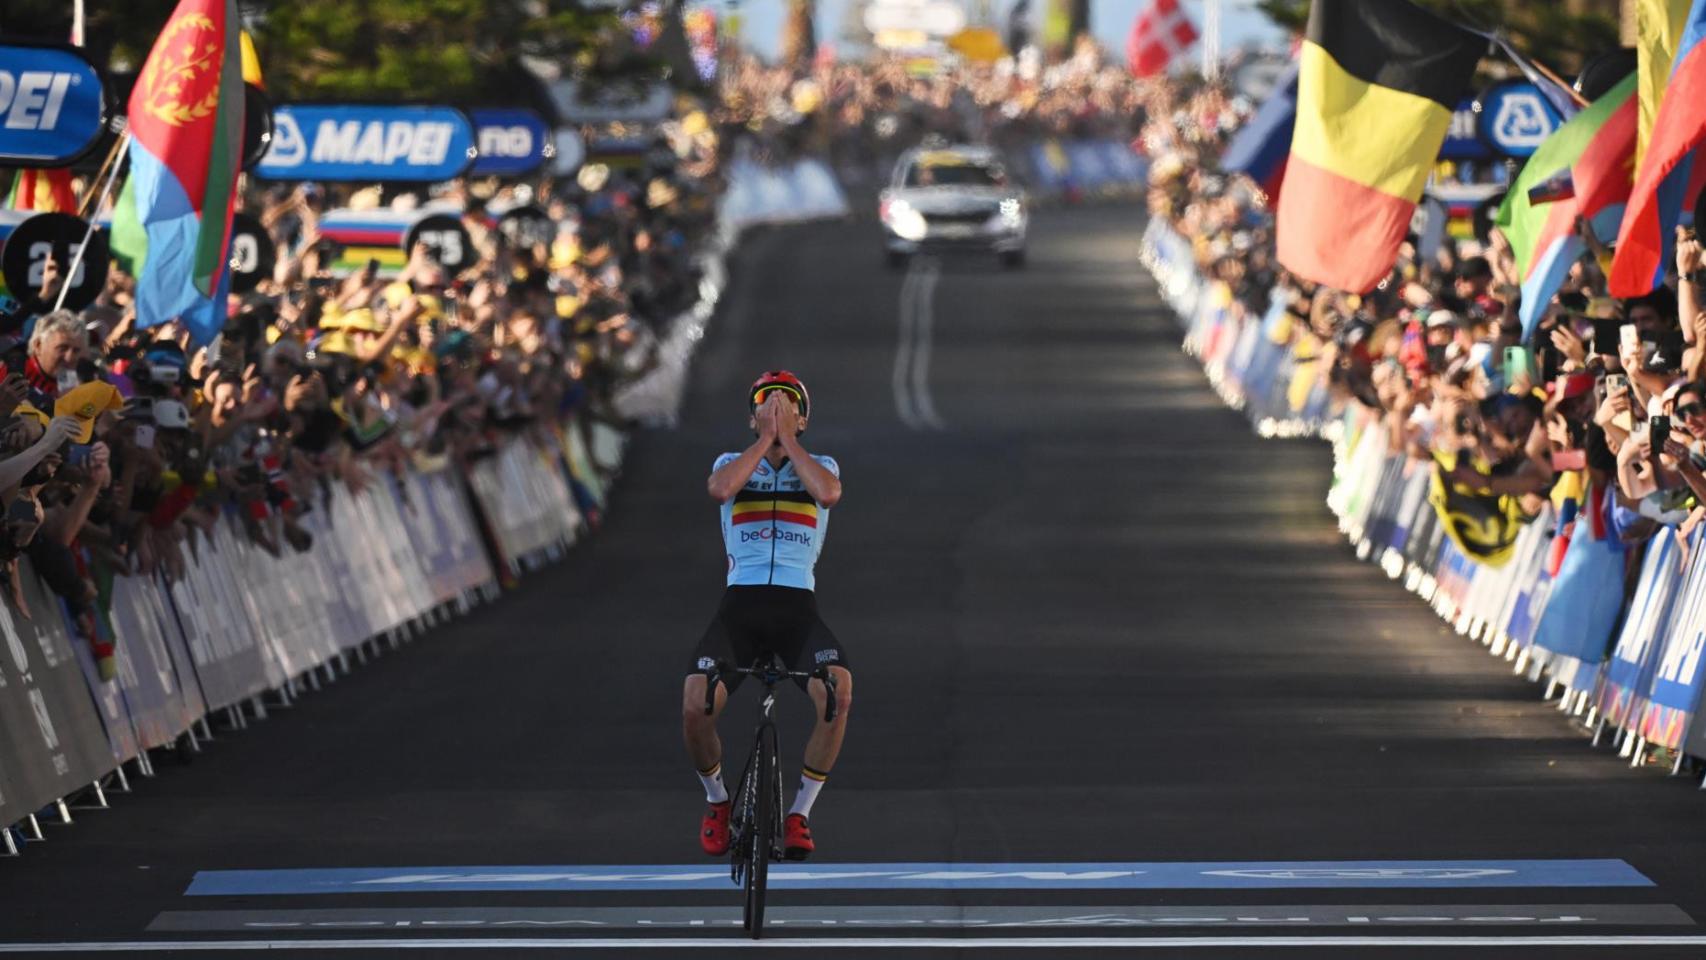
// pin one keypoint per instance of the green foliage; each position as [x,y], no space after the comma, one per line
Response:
[447,50]
[416,49]
[1560,35]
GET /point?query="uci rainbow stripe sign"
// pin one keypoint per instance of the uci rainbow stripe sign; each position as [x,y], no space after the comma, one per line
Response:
[1377,83]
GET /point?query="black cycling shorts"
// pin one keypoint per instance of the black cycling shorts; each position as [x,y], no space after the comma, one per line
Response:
[752,621]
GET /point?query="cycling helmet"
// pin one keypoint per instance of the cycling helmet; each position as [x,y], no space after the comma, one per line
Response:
[779,380]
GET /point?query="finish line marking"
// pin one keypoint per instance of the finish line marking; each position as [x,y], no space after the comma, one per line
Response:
[850,943]
[949,919]
[1392,874]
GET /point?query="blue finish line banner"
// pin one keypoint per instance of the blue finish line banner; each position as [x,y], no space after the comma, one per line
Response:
[1376,874]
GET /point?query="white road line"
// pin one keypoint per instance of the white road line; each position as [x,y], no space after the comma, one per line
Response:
[850,943]
[903,351]
[911,377]
[926,338]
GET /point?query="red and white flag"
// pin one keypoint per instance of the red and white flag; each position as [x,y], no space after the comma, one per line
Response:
[1160,34]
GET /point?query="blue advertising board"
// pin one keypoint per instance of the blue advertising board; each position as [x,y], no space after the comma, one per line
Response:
[52,107]
[1515,118]
[511,142]
[364,142]
[1462,139]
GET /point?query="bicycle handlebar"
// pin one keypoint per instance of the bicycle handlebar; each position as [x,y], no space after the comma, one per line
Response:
[770,676]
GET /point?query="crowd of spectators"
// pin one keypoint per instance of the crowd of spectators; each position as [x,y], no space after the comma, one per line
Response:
[1603,408]
[863,114]
[122,446]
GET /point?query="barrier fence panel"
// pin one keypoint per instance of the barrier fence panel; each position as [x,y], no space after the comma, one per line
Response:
[51,733]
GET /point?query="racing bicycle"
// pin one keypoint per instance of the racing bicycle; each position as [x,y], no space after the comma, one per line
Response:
[757,806]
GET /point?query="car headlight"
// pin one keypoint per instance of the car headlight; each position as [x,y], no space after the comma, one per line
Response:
[1012,213]
[907,223]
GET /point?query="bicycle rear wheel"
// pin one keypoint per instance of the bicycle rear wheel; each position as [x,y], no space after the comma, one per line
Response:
[762,830]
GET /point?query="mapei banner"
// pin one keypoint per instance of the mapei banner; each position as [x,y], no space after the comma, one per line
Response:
[511,142]
[52,108]
[367,143]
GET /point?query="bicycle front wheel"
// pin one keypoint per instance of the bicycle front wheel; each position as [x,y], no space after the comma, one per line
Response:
[763,827]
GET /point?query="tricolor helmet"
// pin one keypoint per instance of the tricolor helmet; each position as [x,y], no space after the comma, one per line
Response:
[779,380]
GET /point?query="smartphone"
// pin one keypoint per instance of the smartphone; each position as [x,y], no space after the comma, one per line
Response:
[1569,459]
[1436,357]
[1658,430]
[77,455]
[371,270]
[1629,337]
[145,436]
[1518,363]
[1616,381]
[1605,337]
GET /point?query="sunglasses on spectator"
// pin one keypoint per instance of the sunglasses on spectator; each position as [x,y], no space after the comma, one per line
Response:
[1690,410]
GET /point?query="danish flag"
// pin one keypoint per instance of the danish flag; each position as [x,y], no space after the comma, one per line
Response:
[1160,34]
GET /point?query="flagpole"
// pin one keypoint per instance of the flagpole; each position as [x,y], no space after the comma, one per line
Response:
[1581,101]
[77,258]
[112,158]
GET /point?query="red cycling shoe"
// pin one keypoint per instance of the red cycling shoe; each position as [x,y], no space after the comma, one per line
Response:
[797,837]
[714,829]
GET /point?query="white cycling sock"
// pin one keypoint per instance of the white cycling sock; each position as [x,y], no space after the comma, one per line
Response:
[715,792]
[811,781]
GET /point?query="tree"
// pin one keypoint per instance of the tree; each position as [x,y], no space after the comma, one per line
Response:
[1561,35]
[447,50]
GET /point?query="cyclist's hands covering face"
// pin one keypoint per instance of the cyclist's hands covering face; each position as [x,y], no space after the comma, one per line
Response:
[787,416]
[765,416]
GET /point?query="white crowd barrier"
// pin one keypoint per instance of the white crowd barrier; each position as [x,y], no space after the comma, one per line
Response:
[241,624]
[1630,669]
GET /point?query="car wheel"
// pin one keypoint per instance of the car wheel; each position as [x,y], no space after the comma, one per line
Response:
[1012,259]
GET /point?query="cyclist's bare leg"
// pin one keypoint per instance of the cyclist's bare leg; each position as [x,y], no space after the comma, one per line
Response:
[825,743]
[698,728]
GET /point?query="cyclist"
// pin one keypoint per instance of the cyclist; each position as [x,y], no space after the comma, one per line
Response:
[775,500]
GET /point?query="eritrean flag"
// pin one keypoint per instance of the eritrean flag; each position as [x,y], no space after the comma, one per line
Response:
[172,226]
[1377,82]
[1595,151]
[1668,178]
[43,191]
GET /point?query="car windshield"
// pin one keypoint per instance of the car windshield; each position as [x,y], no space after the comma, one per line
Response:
[954,175]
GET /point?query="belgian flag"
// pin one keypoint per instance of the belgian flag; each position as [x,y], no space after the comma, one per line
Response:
[1377,83]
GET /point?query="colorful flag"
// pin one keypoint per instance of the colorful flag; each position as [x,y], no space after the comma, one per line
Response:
[1658,30]
[1666,180]
[251,63]
[1377,83]
[1260,149]
[172,225]
[1595,152]
[1159,35]
[44,191]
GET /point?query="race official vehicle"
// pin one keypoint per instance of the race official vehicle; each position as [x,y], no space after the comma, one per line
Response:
[952,198]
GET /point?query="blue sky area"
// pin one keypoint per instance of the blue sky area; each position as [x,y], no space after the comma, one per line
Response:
[1111,20]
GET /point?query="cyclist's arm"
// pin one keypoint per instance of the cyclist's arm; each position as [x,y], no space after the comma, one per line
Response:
[728,479]
[824,486]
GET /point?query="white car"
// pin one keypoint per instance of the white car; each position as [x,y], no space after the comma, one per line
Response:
[952,198]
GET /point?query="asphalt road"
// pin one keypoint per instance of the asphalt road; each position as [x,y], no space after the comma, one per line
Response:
[1118,678]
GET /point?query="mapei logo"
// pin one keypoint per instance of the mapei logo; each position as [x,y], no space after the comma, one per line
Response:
[376,142]
[1522,121]
[33,99]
